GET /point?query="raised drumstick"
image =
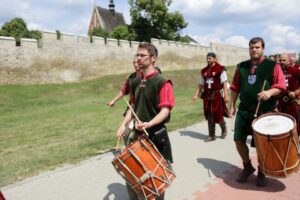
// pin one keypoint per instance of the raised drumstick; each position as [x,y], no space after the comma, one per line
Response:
[263,88]
[136,117]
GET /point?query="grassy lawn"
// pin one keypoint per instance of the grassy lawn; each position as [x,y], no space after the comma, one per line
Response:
[47,126]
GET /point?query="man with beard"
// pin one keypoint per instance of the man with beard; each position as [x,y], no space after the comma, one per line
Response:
[287,103]
[293,62]
[247,84]
[213,82]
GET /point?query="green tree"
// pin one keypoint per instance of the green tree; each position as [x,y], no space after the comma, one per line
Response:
[123,32]
[152,19]
[17,28]
[298,61]
[33,34]
[58,34]
[98,31]
[185,39]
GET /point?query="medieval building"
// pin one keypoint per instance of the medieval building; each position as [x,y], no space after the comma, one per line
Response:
[106,19]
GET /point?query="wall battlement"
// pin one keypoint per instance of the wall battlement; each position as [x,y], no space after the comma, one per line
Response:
[75,58]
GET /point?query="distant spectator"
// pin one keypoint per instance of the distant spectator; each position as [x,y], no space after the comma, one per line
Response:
[286,103]
[277,58]
[293,61]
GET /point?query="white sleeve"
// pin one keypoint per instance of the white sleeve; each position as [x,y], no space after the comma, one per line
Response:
[223,76]
[201,80]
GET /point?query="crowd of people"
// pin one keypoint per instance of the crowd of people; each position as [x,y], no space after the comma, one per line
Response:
[272,83]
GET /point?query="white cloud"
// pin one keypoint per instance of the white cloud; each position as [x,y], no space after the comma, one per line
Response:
[282,38]
[192,6]
[241,6]
[215,36]
[206,39]
[34,26]
[71,2]
[212,12]
[80,27]
[237,40]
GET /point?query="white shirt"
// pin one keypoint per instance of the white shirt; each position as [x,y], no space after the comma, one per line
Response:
[223,78]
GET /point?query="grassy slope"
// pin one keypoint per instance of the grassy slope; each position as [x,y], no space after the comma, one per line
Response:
[45,126]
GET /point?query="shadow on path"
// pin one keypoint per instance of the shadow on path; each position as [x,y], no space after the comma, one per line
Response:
[117,190]
[228,173]
[193,134]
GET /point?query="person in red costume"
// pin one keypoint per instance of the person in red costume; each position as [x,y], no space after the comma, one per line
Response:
[287,103]
[293,62]
[213,83]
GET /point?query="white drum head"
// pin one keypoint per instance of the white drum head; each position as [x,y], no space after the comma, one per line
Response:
[273,125]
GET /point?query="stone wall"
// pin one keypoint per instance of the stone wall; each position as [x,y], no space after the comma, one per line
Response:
[75,58]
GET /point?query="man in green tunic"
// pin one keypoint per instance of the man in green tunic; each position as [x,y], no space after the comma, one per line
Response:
[152,100]
[247,83]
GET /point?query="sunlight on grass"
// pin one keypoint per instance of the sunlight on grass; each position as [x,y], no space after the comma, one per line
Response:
[46,126]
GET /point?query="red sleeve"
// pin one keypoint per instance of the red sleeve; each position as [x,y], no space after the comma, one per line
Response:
[278,78]
[235,85]
[166,96]
[125,87]
[132,99]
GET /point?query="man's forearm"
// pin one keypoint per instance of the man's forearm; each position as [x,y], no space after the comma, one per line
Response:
[233,98]
[274,91]
[160,117]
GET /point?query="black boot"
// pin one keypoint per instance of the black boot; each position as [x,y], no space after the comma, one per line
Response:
[224,129]
[247,171]
[211,131]
[261,178]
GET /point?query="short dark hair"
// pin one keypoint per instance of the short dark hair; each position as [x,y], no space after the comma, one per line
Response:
[211,54]
[150,48]
[256,40]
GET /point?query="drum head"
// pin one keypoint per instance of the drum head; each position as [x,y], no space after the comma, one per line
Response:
[273,124]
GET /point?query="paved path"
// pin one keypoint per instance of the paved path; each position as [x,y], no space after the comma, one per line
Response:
[204,171]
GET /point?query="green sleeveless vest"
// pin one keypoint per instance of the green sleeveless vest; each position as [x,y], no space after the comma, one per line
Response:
[147,97]
[251,85]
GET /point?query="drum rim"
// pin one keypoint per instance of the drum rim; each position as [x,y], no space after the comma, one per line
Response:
[277,135]
[138,140]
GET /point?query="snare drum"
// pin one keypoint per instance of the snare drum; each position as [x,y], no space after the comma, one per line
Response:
[144,168]
[277,144]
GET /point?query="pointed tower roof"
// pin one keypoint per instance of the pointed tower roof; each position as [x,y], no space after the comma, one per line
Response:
[111,6]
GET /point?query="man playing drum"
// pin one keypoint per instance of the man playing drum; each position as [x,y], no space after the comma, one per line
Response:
[213,83]
[152,99]
[249,78]
[287,103]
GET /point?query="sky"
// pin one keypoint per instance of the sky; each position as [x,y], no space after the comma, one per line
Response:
[232,22]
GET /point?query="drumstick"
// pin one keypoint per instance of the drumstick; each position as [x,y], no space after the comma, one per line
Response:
[136,117]
[97,102]
[263,88]
[118,143]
